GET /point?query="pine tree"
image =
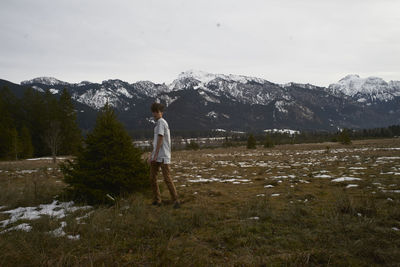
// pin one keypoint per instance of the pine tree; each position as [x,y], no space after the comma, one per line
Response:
[71,137]
[107,165]
[26,143]
[35,117]
[268,143]
[344,137]
[5,141]
[4,124]
[251,142]
[9,146]
[15,144]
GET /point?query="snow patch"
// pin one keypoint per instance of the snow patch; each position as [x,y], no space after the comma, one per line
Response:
[151,120]
[212,114]
[351,185]
[26,171]
[123,91]
[55,209]
[208,98]
[23,227]
[46,158]
[206,180]
[387,158]
[59,232]
[37,88]
[168,100]
[343,179]
[282,131]
[322,176]
[280,106]
[54,91]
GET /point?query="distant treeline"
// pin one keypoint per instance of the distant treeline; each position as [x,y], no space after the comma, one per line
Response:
[38,124]
[281,138]
[148,134]
[344,136]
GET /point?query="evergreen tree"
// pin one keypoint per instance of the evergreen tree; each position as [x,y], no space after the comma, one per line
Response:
[71,137]
[26,143]
[251,142]
[227,142]
[11,107]
[107,165]
[35,117]
[4,125]
[192,145]
[15,144]
[268,143]
[8,135]
[344,137]
[5,141]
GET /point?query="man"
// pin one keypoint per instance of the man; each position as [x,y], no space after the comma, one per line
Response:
[161,156]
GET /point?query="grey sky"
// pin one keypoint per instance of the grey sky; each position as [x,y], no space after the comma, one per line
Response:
[315,41]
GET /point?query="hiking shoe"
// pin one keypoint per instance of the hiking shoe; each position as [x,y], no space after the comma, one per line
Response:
[156,203]
[177,205]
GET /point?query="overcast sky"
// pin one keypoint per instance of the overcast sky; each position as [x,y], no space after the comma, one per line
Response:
[307,41]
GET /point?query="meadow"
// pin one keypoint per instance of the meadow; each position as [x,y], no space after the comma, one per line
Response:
[292,205]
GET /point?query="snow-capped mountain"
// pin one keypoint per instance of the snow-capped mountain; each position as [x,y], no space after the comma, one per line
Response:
[368,89]
[235,87]
[117,93]
[205,77]
[200,100]
[44,80]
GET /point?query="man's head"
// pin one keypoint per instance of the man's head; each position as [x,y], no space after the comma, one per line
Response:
[157,109]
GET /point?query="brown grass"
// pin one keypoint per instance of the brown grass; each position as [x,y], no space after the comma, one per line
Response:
[314,223]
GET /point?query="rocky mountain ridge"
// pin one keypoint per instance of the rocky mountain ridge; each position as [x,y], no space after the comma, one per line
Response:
[200,100]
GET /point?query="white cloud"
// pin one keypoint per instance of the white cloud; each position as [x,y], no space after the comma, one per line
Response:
[303,41]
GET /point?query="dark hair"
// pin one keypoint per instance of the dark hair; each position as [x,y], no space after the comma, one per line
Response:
[157,107]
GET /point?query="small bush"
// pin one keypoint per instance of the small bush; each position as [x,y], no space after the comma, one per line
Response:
[251,142]
[192,146]
[268,143]
[344,137]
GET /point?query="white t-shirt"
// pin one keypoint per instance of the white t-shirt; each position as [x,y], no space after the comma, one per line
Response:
[162,128]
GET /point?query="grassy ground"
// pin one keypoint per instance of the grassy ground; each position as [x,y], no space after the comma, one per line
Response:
[263,207]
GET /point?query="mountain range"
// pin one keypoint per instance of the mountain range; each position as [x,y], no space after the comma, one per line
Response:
[199,100]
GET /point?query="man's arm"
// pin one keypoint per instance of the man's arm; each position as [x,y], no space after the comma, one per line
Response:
[158,147]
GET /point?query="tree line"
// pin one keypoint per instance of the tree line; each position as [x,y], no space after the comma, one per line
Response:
[38,124]
[343,136]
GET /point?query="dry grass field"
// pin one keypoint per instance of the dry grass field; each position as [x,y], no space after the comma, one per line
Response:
[292,205]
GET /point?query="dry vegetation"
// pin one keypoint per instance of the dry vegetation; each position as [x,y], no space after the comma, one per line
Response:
[262,207]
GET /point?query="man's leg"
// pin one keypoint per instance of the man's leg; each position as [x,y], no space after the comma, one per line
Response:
[168,181]
[154,168]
